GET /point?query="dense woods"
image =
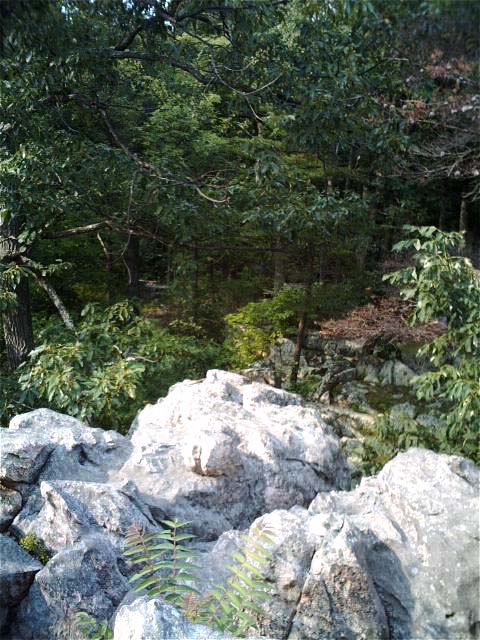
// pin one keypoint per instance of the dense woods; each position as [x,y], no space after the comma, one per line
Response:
[184,182]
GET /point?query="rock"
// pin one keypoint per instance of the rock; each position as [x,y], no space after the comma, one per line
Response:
[84,577]
[10,505]
[23,456]
[318,343]
[54,446]
[419,519]
[321,588]
[367,371]
[70,509]
[153,619]
[405,409]
[221,452]
[396,373]
[17,571]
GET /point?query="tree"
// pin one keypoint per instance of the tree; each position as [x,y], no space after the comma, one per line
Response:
[445,285]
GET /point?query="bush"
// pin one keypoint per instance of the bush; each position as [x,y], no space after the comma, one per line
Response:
[115,363]
[441,285]
[253,329]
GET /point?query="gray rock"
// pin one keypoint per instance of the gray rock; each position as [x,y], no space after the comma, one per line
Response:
[152,619]
[23,456]
[419,518]
[73,509]
[396,373]
[70,450]
[10,505]
[221,452]
[321,587]
[84,577]
[403,409]
[17,571]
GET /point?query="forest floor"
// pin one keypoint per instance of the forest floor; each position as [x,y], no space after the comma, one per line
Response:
[383,317]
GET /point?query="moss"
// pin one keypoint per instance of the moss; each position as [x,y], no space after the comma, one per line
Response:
[35,547]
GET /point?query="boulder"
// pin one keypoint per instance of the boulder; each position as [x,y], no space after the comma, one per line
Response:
[10,505]
[222,451]
[419,519]
[395,372]
[70,509]
[46,445]
[23,456]
[152,619]
[321,588]
[84,577]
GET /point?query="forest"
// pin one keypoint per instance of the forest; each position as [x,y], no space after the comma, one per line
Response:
[185,184]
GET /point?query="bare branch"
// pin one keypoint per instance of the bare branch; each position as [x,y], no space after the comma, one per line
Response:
[76,231]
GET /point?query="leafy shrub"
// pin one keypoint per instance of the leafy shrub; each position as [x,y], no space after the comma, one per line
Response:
[116,361]
[35,547]
[167,568]
[253,329]
[441,285]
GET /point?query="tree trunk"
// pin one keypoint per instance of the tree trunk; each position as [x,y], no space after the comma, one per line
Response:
[463,224]
[302,325]
[17,319]
[195,287]
[279,267]
[131,259]
[463,221]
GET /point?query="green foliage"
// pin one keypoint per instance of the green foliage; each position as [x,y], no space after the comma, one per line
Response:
[441,285]
[233,606]
[252,330]
[116,361]
[35,547]
[92,628]
[392,434]
[167,568]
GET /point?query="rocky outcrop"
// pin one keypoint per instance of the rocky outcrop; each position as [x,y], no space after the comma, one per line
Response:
[223,451]
[395,559]
[392,560]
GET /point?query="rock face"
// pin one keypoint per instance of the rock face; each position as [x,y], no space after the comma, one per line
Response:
[419,518]
[222,452]
[395,559]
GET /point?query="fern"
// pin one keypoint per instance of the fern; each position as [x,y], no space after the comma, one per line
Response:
[165,563]
[166,568]
[233,607]
[92,628]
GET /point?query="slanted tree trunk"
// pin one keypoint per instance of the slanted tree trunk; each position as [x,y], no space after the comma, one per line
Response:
[16,319]
[131,259]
